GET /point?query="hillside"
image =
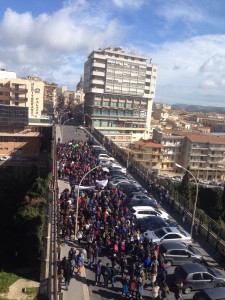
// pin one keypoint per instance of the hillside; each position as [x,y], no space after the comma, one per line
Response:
[199,108]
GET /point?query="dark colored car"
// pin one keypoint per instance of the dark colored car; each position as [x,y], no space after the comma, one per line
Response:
[127,187]
[210,294]
[151,223]
[198,277]
[148,202]
[177,253]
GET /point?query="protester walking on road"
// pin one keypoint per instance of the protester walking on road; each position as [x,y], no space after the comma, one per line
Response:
[98,272]
[80,263]
[164,291]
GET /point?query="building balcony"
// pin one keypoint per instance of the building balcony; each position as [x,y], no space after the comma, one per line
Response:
[200,147]
[98,81]
[141,129]
[97,90]
[198,154]
[98,65]
[216,155]
[18,99]
[98,73]
[19,90]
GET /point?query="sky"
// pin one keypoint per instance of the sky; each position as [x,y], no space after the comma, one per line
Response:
[184,38]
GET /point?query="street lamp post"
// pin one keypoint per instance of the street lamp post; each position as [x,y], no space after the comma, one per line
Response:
[66,113]
[196,196]
[78,195]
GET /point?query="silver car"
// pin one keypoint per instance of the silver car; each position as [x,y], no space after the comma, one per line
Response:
[168,234]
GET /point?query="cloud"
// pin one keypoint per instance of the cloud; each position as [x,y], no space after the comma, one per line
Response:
[129,3]
[47,40]
[187,69]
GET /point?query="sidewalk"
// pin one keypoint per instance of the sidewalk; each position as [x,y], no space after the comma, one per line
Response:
[78,285]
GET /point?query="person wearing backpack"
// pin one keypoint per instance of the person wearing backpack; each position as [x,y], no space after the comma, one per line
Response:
[98,272]
[80,263]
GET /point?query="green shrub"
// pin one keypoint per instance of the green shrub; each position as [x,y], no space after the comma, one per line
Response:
[7,279]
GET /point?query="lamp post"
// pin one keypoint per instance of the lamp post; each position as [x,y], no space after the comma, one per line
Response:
[196,196]
[65,113]
[78,195]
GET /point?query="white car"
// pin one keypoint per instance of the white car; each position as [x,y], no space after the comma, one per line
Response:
[105,157]
[116,167]
[105,163]
[115,182]
[6,157]
[168,234]
[145,211]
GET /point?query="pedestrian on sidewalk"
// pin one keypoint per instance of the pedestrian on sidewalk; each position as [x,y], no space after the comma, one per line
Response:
[195,233]
[67,274]
[184,215]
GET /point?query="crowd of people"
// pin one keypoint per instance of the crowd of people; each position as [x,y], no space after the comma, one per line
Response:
[106,228]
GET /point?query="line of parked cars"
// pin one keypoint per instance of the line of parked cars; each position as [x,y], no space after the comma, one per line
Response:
[174,243]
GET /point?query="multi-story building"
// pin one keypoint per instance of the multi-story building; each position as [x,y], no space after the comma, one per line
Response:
[172,148]
[119,90]
[205,156]
[148,153]
[27,93]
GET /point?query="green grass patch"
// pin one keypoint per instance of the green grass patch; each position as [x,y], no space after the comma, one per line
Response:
[7,279]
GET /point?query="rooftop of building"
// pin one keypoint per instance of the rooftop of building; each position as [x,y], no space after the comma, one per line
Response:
[205,138]
[148,143]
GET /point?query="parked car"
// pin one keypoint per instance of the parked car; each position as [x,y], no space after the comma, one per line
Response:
[6,157]
[115,173]
[127,187]
[105,156]
[114,183]
[168,234]
[113,177]
[131,194]
[152,223]
[177,253]
[115,167]
[143,190]
[198,277]
[146,202]
[105,163]
[145,211]
[217,293]
[140,196]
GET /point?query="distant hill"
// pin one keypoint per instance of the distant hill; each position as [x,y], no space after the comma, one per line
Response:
[199,108]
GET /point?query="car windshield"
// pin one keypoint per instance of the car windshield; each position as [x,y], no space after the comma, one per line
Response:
[159,233]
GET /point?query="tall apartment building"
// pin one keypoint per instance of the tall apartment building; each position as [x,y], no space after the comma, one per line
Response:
[119,90]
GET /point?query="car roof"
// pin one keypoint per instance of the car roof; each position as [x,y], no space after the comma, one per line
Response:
[215,293]
[192,268]
[143,208]
[173,245]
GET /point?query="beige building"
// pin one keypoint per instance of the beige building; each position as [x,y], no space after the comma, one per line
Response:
[205,156]
[148,154]
[119,90]
[29,93]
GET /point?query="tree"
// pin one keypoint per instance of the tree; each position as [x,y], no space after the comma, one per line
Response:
[185,187]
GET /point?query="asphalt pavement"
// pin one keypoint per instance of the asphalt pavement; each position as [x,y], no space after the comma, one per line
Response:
[83,287]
